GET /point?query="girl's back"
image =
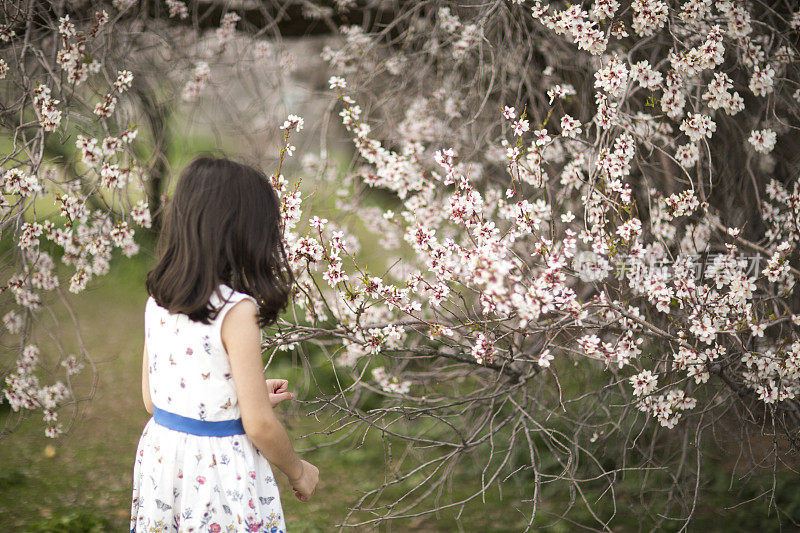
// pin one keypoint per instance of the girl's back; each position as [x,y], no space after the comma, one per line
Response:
[190,373]
[185,481]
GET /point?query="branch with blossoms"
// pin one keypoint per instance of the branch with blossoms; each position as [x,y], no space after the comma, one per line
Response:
[94,195]
[558,288]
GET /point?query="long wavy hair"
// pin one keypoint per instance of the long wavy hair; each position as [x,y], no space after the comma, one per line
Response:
[222,225]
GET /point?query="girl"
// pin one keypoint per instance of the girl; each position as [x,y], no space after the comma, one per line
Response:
[203,462]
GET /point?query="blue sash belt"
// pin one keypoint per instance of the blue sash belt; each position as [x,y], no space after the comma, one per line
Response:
[204,428]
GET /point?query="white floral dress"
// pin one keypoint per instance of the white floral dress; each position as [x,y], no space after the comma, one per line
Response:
[186,482]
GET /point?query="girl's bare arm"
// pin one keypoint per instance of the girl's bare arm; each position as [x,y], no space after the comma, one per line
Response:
[148,402]
[241,338]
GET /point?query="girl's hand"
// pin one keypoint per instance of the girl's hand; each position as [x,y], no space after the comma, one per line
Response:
[305,485]
[278,391]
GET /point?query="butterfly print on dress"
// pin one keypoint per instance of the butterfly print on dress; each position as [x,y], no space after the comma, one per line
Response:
[163,506]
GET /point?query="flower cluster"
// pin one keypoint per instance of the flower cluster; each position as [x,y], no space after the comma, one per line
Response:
[177,8]
[24,391]
[575,22]
[613,78]
[73,57]
[648,16]
[16,181]
[718,94]
[49,116]
[195,86]
[763,141]
[106,107]
[696,126]
[390,383]
[227,27]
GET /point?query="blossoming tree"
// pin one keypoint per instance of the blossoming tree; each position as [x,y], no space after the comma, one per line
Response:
[592,233]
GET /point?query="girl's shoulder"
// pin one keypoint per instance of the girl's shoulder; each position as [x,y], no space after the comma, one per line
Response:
[226,299]
[151,306]
[225,295]
[222,300]
[155,315]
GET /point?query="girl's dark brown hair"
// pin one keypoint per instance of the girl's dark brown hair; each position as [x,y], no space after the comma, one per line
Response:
[222,225]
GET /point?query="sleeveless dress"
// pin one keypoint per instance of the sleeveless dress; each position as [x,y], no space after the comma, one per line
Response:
[184,482]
